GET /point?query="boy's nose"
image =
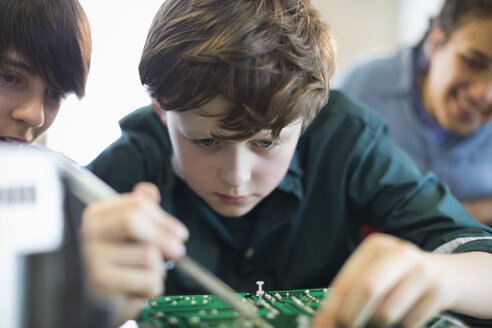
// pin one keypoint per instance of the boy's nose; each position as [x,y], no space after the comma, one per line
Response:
[482,92]
[236,170]
[488,94]
[31,111]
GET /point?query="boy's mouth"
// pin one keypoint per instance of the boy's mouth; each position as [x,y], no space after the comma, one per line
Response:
[12,140]
[465,112]
[467,108]
[233,200]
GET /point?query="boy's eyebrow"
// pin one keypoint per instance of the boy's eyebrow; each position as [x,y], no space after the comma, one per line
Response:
[191,132]
[14,62]
[481,54]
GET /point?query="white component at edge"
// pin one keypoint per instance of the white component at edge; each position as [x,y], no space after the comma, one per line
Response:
[31,219]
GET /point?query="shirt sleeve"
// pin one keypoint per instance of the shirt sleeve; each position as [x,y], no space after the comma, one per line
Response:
[392,196]
[121,165]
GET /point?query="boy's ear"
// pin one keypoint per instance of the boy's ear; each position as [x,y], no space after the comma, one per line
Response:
[160,112]
[434,41]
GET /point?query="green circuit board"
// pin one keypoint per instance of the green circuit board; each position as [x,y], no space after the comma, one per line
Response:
[280,309]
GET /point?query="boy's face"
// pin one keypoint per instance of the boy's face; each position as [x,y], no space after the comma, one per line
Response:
[232,177]
[458,88]
[28,105]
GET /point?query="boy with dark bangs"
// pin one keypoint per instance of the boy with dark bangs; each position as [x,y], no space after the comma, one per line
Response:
[274,179]
[45,50]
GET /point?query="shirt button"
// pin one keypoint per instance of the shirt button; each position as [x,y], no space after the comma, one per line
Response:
[249,253]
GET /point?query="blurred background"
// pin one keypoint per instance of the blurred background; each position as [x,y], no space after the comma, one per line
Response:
[85,127]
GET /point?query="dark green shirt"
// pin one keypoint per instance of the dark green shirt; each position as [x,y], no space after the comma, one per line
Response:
[345,173]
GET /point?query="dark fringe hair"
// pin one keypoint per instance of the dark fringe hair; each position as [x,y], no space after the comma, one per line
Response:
[271,58]
[453,13]
[53,36]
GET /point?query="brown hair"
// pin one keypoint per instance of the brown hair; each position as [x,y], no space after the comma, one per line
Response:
[454,13]
[271,58]
[53,36]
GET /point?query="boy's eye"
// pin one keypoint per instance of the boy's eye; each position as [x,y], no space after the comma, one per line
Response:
[205,142]
[265,143]
[8,78]
[473,63]
[55,94]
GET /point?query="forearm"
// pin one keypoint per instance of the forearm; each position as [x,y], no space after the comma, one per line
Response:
[481,209]
[469,274]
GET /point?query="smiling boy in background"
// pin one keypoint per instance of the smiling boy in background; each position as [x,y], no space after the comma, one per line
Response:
[437,99]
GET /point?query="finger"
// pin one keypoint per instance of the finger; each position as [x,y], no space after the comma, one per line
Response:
[401,299]
[327,313]
[124,218]
[172,248]
[427,307]
[364,280]
[126,309]
[148,190]
[394,260]
[127,228]
[127,280]
[125,254]
[129,216]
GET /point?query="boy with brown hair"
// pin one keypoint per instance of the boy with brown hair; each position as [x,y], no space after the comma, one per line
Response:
[274,181]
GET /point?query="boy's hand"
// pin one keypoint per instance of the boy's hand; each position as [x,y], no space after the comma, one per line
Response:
[386,281]
[124,243]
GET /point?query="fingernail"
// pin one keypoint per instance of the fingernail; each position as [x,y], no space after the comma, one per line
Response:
[176,249]
[181,231]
